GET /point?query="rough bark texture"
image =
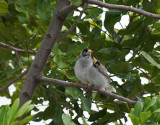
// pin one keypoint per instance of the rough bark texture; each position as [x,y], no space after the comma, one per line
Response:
[36,70]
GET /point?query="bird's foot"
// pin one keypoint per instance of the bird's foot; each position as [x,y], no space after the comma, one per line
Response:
[76,84]
[91,87]
[98,90]
[85,86]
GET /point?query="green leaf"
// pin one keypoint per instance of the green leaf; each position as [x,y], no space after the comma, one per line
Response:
[3,114]
[157,111]
[13,110]
[29,108]
[23,109]
[123,67]
[109,53]
[150,59]
[3,6]
[23,121]
[57,51]
[111,18]
[77,49]
[138,108]
[134,119]
[16,123]
[150,104]
[67,120]
[151,123]
[58,60]
[144,116]
[97,115]
[133,28]
[84,122]
[26,119]
[86,104]
[76,2]
[72,91]
[58,115]
[146,102]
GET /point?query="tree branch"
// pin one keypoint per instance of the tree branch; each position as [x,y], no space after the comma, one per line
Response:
[4,45]
[63,8]
[122,7]
[149,77]
[73,26]
[64,83]
[12,81]
[16,49]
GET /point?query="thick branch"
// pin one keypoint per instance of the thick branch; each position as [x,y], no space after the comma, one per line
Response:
[14,80]
[16,49]
[122,7]
[64,83]
[63,8]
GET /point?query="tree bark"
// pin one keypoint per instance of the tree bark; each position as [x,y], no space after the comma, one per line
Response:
[63,8]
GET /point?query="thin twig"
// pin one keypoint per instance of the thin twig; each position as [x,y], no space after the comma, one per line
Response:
[12,81]
[149,77]
[102,31]
[106,93]
[73,26]
[123,7]
[4,45]
[16,49]
[20,62]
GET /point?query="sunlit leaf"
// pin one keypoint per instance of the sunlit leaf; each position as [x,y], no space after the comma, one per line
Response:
[23,109]
[67,120]
[150,104]
[144,116]
[3,6]
[76,2]
[150,59]
[3,113]
[13,110]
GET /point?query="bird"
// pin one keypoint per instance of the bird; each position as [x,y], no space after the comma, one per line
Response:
[82,64]
[97,76]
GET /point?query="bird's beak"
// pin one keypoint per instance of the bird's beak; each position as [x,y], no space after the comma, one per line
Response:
[94,60]
[90,51]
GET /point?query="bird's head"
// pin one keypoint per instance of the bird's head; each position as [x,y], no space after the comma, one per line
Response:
[86,52]
[96,63]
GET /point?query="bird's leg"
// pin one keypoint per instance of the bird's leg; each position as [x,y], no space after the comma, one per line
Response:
[98,90]
[91,87]
[76,84]
[86,86]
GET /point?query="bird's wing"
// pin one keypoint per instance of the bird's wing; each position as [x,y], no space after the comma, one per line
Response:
[104,71]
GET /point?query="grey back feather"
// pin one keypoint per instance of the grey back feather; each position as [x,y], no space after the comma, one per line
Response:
[104,71]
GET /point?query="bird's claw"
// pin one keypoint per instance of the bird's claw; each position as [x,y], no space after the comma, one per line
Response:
[91,87]
[76,84]
[85,86]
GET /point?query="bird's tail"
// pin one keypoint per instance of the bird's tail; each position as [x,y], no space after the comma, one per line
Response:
[111,89]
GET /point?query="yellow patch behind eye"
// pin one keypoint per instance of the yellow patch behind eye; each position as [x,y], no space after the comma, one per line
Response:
[84,52]
[96,65]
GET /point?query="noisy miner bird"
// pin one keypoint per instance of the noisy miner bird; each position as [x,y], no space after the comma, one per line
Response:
[82,65]
[97,76]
